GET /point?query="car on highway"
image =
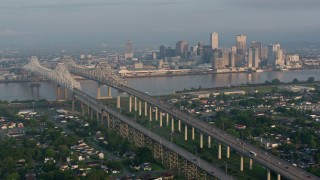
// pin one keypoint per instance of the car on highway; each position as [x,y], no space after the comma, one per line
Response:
[251,153]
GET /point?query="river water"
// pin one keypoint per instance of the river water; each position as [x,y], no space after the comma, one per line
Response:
[157,85]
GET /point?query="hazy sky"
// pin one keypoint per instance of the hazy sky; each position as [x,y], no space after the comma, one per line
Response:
[156,22]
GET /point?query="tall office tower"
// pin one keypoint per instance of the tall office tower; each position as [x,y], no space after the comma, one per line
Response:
[234,49]
[249,63]
[217,61]
[257,45]
[253,57]
[170,52]
[225,58]
[241,44]
[162,51]
[232,59]
[214,40]
[264,53]
[272,54]
[279,57]
[193,51]
[207,54]
[182,49]
[129,53]
[200,49]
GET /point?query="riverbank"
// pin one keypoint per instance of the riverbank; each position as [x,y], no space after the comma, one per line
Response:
[265,84]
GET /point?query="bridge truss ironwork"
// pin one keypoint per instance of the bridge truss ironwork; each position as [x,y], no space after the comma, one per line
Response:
[59,75]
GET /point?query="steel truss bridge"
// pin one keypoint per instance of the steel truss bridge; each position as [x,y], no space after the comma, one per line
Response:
[128,127]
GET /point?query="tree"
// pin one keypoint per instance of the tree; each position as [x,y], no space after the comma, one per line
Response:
[144,155]
[311,79]
[13,176]
[295,80]
[275,81]
[50,152]
[97,175]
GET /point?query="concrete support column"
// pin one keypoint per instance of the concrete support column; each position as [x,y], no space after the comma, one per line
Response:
[145,109]
[192,133]
[278,177]
[172,125]
[140,108]
[160,119]
[150,113]
[250,164]
[108,120]
[167,121]
[97,117]
[201,141]
[130,103]
[118,102]
[109,92]
[73,110]
[228,152]
[268,175]
[82,110]
[185,132]
[98,92]
[101,119]
[156,115]
[58,93]
[219,151]
[209,141]
[179,125]
[65,94]
[241,163]
[135,104]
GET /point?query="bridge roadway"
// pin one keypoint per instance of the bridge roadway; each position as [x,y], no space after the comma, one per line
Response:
[202,164]
[270,161]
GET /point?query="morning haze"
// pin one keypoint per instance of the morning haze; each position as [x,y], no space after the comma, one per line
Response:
[153,22]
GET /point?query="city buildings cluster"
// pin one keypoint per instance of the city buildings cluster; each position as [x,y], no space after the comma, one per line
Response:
[238,57]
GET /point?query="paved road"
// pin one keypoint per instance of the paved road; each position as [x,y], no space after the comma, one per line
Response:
[214,171]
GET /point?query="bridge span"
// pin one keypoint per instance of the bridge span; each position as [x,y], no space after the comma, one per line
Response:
[276,164]
[194,168]
[171,155]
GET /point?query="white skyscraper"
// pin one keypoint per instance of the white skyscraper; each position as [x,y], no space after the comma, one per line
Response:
[214,40]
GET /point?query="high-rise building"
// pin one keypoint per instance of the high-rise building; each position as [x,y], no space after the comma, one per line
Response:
[253,57]
[257,45]
[217,61]
[193,52]
[129,53]
[225,58]
[249,63]
[214,40]
[272,54]
[200,49]
[162,51]
[264,53]
[182,49]
[170,52]
[279,57]
[241,44]
[207,54]
[232,59]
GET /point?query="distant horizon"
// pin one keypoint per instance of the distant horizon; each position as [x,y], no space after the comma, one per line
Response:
[155,22]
